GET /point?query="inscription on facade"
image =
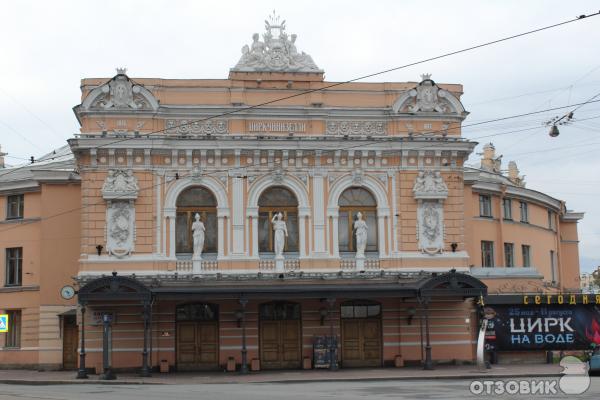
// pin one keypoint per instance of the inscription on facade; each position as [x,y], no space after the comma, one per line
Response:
[276,126]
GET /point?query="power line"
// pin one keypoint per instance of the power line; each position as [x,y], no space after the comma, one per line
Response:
[302,93]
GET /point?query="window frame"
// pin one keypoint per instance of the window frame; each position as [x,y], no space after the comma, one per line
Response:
[13,336]
[189,211]
[506,201]
[551,220]
[16,262]
[487,253]
[483,204]
[350,212]
[526,260]
[524,209]
[20,207]
[509,255]
[290,215]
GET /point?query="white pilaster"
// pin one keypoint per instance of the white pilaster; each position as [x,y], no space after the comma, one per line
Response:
[319,213]
[237,217]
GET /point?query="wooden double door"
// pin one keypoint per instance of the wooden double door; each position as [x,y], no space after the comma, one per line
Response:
[197,345]
[280,344]
[280,335]
[361,342]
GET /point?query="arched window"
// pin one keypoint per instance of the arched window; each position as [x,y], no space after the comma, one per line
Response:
[351,201]
[191,201]
[271,201]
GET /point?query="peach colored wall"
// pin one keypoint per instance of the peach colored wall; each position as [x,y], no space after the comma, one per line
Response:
[453,325]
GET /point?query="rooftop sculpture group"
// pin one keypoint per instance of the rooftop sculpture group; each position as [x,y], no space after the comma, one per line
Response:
[278,52]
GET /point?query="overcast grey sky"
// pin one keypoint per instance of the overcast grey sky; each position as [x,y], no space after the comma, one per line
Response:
[48,46]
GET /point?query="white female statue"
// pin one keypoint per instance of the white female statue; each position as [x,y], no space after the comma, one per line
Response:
[199,230]
[280,229]
[360,230]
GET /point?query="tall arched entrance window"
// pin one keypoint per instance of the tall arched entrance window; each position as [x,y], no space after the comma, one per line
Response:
[271,201]
[352,201]
[191,201]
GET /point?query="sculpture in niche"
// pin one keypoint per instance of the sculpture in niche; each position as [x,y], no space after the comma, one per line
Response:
[120,228]
[198,230]
[280,229]
[278,52]
[360,232]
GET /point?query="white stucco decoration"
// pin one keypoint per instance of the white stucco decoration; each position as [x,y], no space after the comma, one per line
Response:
[430,185]
[278,52]
[120,184]
[428,97]
[120,189]
[430,191]
[120,93]
[198,232]
[120,228]
[361,231]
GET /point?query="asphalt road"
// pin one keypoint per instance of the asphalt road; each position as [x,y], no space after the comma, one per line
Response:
[422,389]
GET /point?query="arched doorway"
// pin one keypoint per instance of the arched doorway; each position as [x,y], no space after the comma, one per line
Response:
[197,337]
[361,334]
[271,201]
[352,201]
[192,201]
[280,334]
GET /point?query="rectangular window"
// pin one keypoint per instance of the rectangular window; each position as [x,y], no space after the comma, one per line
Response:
[13,336]
[485,205]
[551,224]
[14,206]
[507,208]
[526,250]
[14,266]
[487,253]
[524,212]
[553,266]
[509,255]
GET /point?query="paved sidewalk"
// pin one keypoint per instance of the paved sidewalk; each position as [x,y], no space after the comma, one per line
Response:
[441,372]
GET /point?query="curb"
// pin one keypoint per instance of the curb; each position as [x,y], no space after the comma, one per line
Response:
[275,381]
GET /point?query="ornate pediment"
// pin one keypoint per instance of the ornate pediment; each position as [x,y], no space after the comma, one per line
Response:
[428,97]
[120,93]
[120,184]
[430,185]
[277,51]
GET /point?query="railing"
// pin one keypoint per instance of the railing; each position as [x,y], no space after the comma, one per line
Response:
[187,266]
[269,265]
[349,264]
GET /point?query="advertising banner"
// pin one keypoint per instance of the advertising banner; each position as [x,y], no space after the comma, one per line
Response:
[530,327]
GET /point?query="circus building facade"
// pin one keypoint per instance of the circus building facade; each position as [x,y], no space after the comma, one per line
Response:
[214,226]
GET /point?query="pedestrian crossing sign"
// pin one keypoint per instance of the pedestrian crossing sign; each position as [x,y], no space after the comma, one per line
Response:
[3,322]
